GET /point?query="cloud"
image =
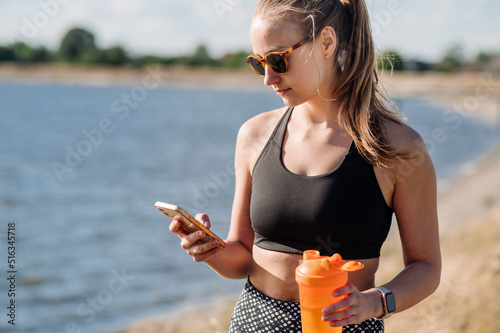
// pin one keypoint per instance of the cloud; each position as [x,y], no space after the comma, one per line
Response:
[426,28]
[129,6]
[423,28]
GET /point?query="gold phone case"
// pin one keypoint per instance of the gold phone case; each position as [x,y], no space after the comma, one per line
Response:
[189,223]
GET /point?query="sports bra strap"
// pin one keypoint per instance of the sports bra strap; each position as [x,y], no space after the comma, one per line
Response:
[279,131]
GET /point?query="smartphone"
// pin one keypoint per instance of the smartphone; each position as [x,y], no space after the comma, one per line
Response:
[189,223]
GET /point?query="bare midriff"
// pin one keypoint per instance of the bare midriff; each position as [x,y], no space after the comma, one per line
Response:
[273,273]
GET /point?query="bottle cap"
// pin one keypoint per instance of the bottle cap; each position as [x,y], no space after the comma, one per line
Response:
[323,272]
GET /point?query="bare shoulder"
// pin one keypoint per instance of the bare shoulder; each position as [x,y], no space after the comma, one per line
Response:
[416,162]
[260,126]
[254,134]
[402,138]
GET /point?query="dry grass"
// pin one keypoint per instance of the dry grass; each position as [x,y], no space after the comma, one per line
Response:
[467,299]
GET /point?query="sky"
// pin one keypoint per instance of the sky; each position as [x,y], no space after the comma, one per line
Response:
[418,29]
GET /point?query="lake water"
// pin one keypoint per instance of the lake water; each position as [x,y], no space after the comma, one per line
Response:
[81,168]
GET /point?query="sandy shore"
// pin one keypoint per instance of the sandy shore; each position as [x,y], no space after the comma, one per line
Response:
[154,75]
[469,209]
[469,218]
[469,94]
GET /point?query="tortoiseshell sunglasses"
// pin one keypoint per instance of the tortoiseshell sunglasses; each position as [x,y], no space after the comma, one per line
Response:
[275,60]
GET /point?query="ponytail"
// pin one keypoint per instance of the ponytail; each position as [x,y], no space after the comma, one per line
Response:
[363,107]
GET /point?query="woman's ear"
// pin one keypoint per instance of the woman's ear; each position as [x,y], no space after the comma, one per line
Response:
[328,39]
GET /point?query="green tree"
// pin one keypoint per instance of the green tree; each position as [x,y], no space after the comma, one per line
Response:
[7,54]
[76,43]
[201,57]
[41,54]
[235,60]
[93,56]
[25,53]
[148,60]
[390,60]
[453,60]
[115,56]
[482,60]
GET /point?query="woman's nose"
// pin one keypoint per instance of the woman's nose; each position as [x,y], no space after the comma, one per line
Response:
[270,76]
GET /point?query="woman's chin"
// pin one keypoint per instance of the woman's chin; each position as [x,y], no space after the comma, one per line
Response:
[291,102]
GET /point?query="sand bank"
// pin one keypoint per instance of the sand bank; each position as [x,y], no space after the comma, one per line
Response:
[154,76]
[470,94]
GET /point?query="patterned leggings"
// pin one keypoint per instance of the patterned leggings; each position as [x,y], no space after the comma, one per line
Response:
[256,312]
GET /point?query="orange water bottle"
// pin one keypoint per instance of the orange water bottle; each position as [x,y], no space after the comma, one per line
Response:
[318,277]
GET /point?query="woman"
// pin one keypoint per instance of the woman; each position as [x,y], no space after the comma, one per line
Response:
[326,172]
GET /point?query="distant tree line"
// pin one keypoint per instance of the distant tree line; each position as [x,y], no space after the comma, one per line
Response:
[453,61]
[78,46]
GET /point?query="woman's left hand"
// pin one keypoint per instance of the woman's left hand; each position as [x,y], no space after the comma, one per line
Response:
[355,308]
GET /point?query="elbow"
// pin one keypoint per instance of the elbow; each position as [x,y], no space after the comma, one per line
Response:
[429,275]
[434,275]
[436,280]
[234,262]
[238,270]
[236,274]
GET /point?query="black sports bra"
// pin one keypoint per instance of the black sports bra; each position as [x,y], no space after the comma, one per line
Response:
[342,211]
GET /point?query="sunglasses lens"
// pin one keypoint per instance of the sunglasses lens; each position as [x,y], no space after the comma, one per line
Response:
[256,65]
[277,63]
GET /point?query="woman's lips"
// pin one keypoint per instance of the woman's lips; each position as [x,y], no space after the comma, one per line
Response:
[281,92]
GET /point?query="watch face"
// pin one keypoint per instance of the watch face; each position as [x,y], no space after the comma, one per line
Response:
[390,302]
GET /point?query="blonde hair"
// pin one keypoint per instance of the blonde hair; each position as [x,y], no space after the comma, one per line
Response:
[363,106]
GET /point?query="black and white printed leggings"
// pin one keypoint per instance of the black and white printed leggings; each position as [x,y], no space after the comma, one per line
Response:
[256,312]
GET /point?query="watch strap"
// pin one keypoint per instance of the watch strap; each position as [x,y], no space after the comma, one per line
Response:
[384,293]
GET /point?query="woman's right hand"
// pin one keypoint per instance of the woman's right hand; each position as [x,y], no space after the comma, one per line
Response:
[189,242]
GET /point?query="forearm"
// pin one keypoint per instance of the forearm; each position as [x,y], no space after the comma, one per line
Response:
[416,282]
[234,262]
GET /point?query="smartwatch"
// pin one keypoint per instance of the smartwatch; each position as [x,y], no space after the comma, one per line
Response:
[388,301]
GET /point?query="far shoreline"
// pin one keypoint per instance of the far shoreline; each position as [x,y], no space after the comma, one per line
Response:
[468,93]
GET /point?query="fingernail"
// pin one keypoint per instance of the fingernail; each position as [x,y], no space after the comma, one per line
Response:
[201,234]
[215,241]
